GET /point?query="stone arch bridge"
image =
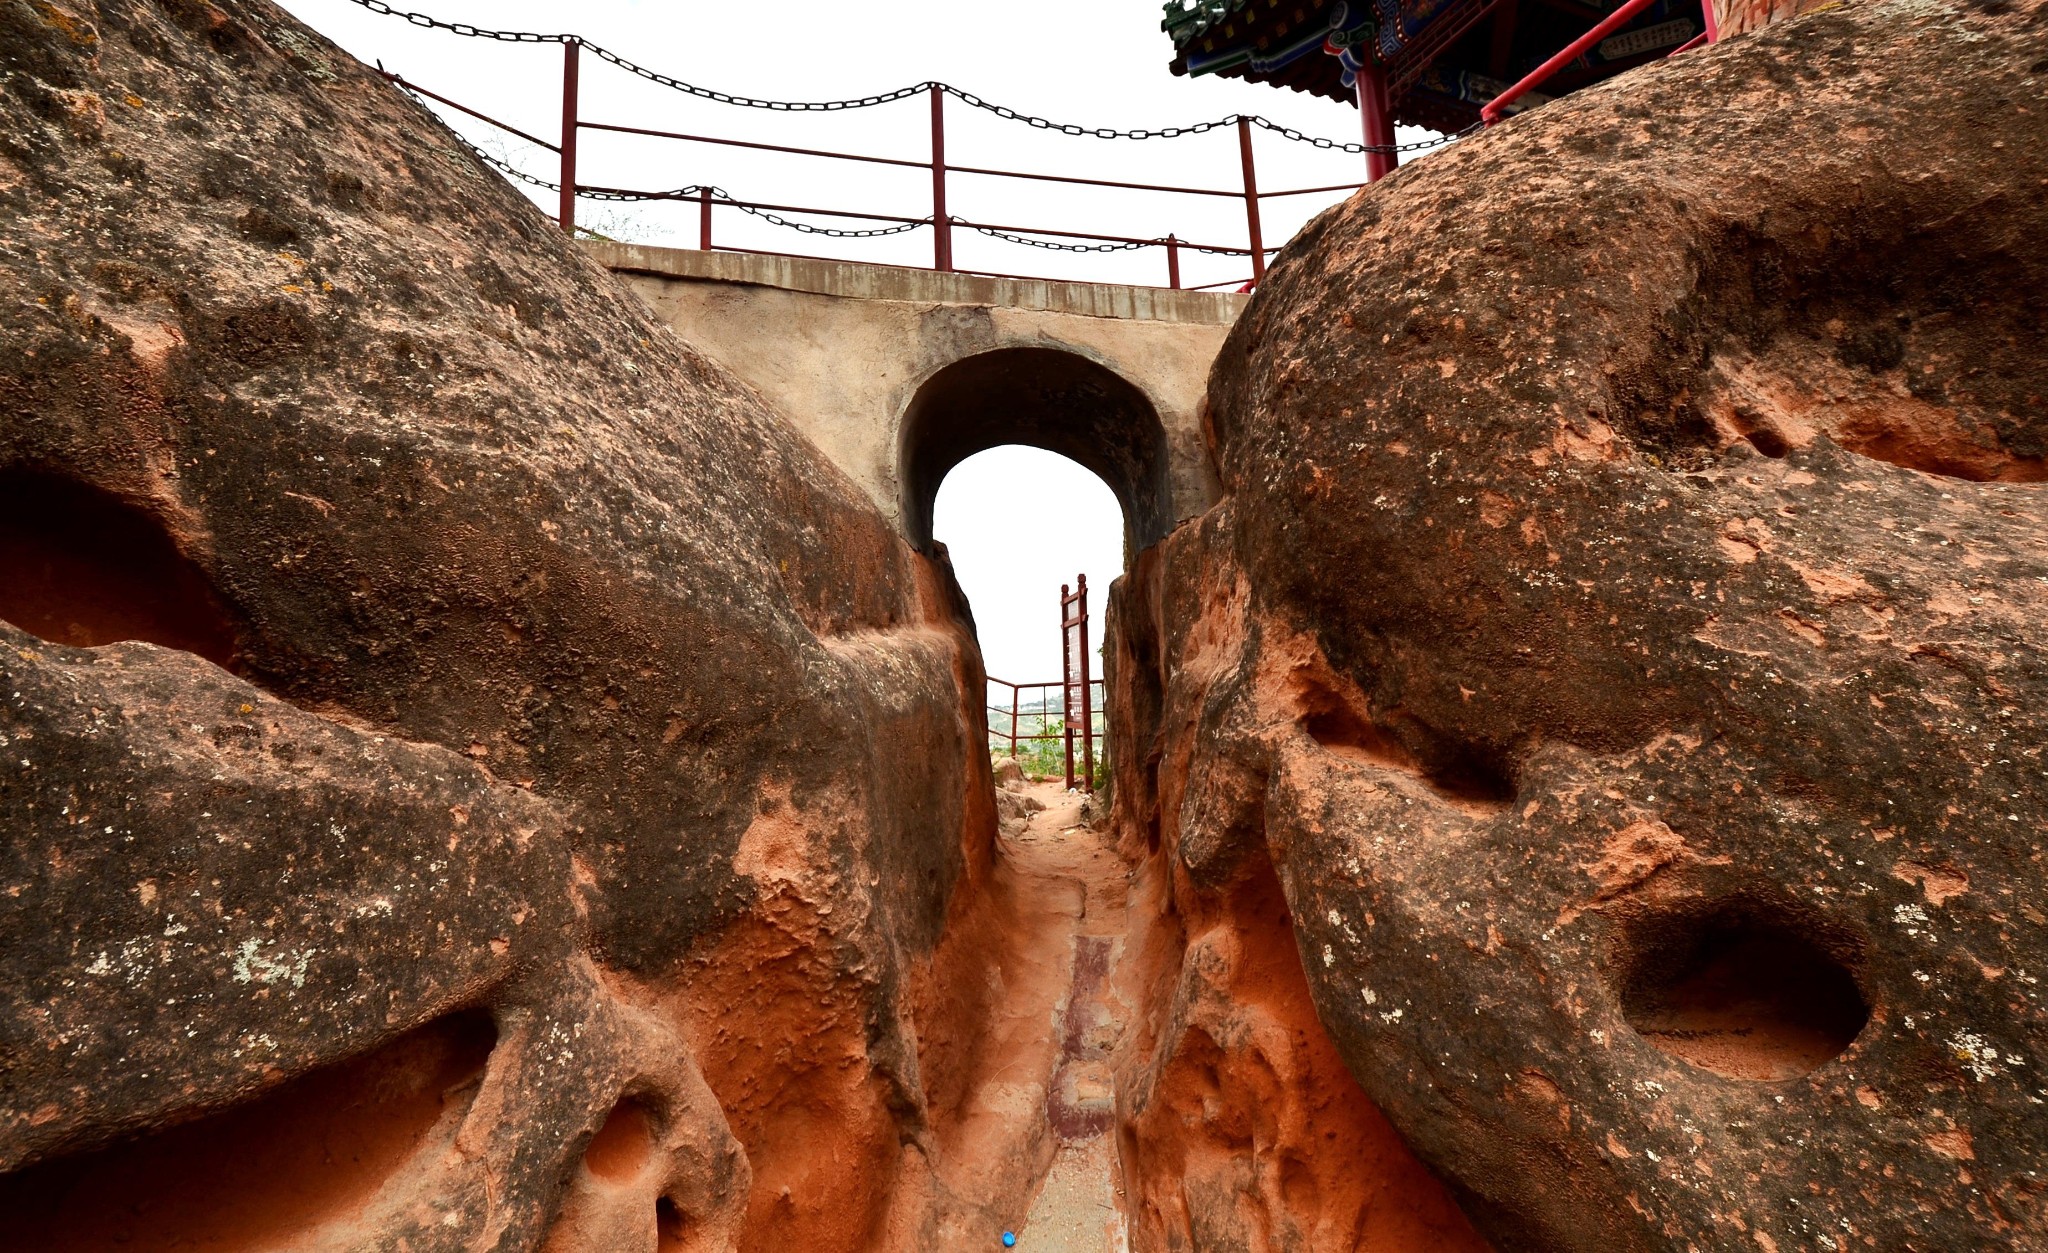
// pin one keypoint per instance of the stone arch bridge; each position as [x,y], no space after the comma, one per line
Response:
[898,375]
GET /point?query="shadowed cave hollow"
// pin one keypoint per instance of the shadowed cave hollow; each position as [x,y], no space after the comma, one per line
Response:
[262,1175]
[1743,991]
[79,566]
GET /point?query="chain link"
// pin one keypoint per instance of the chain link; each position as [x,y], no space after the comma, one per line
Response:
[903,93]
[463,28]
[1059,245]
[1092,132]
[507,167]
[1316,141]
[808,229]
[752,102]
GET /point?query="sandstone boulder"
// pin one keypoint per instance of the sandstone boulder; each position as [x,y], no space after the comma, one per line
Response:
[1625,638]
[434,698]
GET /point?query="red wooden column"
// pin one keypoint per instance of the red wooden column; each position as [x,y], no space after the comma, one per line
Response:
[1362,69]
[942,226]
[1378,117]
[570,48]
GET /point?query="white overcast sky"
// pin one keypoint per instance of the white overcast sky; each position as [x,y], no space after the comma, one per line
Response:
[1018,521]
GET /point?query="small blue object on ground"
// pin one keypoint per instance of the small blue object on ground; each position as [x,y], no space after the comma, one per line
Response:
[1009,1239]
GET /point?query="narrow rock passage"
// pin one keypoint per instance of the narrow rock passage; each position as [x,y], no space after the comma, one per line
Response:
[1029,1149]
[1078,1207]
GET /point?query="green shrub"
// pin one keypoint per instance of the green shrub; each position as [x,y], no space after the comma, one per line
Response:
[1046,758]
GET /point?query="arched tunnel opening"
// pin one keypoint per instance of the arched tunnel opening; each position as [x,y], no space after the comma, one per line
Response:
[1049,398]
[1055,401]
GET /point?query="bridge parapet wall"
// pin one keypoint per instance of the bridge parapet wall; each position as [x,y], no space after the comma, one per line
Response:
[842,349]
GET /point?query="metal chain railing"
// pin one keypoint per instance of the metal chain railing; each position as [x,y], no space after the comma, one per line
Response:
[570,190]
[726,198]
[901,93]
[1053,245]
[1317,141]
[749,102]
[720,194]
[829,232]
[1090,132]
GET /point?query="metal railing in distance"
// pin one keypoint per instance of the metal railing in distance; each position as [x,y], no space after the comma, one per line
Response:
[1015,719]
[1172,245]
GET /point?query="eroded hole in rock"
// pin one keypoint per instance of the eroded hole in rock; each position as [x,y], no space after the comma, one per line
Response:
[622,1147]
[266,1175]
[81,567]
[1864,335]
[1332,724]
[671,1226]
[1458,776]
[1762,438]
[1743,993]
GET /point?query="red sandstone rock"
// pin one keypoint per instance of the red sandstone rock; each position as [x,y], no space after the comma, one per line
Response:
[536,780]
[1626,634]
[535,803]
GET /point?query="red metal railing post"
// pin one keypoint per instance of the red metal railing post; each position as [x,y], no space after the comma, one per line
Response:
[1173,262]
[1087,693]
[704,218]
[1067,682]
[570,48]
[1251,198]
[1013,720]
[942,226]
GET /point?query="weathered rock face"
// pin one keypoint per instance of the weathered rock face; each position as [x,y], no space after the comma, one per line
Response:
[508,696]
[1239,1125]
[1737,17]
[1626,636]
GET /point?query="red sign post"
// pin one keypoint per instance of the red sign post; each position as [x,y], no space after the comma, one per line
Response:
[1079,691]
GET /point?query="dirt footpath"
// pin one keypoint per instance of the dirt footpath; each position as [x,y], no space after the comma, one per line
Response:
[1079,1206]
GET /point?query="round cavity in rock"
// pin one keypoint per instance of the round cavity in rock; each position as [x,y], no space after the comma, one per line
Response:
[287,1169]
[1742,994]
[622,1147]
[80,567]
[671,1225]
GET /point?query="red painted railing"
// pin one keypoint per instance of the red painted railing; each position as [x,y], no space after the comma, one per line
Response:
[1614,21]
[943,223]
[1380,153]
[1010,722]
